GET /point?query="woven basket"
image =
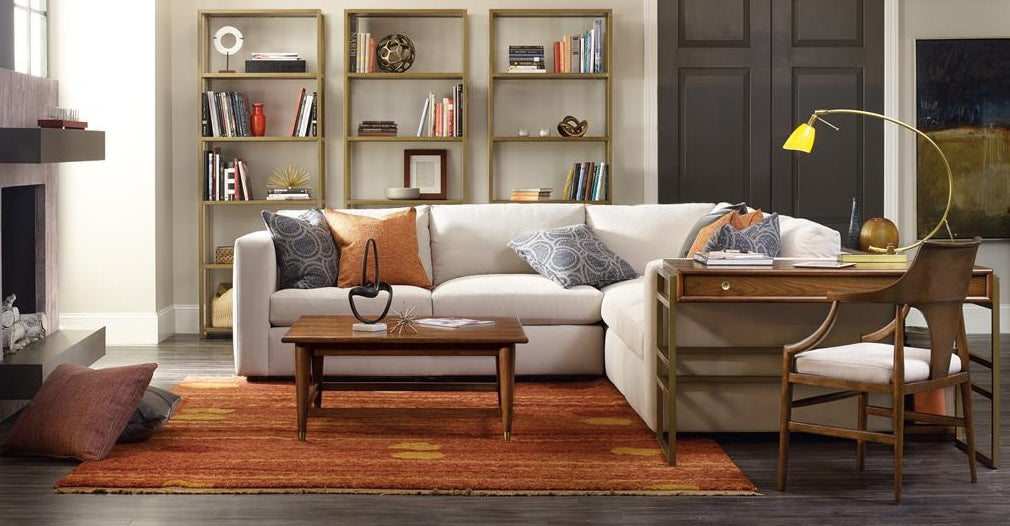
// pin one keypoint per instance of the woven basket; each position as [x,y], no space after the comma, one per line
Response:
[221,309]
[224,255]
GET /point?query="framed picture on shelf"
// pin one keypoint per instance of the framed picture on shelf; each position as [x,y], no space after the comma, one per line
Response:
[425,169]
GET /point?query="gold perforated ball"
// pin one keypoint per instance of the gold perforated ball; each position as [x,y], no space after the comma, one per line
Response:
[879,232]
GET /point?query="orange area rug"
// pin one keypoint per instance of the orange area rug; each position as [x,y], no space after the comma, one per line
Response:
[568,438]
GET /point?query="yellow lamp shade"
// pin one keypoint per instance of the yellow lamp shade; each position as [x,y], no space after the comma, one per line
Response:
[802,138]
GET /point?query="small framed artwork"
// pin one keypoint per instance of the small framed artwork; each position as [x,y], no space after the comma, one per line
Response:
[425,169]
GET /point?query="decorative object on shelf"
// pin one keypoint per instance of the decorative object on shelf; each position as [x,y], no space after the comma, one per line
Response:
[545,132]
[395,53]
[370,289]
[855,224]
[572,127]
[878,232]
[224,255]
[258,120]
[18,330]
[66,118]
[425,170]
[396,192]
[291,176]
[802,139]
[227,51]
[221,306]
[523,132]
[405,319]
[275,62]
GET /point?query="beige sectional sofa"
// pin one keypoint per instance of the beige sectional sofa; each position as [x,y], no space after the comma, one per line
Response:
[576,331]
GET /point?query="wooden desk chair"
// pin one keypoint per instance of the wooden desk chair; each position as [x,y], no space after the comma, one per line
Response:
[936,283]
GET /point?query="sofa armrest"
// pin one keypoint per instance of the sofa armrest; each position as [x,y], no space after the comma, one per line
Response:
[255,277]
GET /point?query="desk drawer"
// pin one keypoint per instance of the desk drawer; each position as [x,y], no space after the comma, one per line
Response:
[730,287]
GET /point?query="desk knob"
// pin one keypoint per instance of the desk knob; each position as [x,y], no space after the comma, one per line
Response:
[725,285]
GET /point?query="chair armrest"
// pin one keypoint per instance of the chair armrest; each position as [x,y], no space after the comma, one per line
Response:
[255,278]
[817,336]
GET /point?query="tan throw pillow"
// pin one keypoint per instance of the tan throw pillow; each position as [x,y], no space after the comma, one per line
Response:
[738,220]
[80,412]
[395,237]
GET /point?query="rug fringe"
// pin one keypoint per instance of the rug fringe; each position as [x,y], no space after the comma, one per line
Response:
[436,492]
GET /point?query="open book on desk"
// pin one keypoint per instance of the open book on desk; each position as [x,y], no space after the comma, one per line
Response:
[453,323]
[725,258]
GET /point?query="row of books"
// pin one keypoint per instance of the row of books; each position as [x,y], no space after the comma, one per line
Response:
[361,53]
[531,194]
[225,114]
[587,181]
[581,53]
[288,194]
[527,59]
[227,179]
[442,118]
[377,129]
[305,115]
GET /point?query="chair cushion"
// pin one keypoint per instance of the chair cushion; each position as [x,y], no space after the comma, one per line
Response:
[867,362]
[533,298]
[286,306]
[571,256]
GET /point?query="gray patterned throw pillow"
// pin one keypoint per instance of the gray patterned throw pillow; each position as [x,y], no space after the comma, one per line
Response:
[572,255]
[761,237]
[306,253]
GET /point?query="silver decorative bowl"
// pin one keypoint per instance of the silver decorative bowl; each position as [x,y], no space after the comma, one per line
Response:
[403,193]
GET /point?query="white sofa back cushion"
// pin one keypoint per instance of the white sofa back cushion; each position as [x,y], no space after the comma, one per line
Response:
[803,238]
[642,233]
[467,240]
[423,237]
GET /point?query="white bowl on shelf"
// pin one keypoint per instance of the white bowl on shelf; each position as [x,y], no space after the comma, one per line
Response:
[403,193]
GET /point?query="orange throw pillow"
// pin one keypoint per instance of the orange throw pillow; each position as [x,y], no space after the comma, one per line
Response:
[738,220]
[395,237]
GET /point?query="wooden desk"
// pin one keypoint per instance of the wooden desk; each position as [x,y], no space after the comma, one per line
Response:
[684,281]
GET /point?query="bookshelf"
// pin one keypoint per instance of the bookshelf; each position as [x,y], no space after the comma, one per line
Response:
[532,101]
[220,221]
[374,163]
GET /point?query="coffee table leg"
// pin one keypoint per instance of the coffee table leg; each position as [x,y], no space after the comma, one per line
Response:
[303,359]
[506,386]
[317,380]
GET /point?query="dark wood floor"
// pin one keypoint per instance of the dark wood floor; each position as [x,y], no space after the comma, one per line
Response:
[825,488]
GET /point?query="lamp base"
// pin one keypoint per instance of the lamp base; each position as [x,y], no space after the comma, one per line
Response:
[368,327]
[870,257]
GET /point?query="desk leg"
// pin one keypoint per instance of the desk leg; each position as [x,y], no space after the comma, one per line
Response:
[666,374]
[303,359]
[506,387]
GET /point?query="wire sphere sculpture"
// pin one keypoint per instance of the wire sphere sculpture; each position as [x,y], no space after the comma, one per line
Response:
[395,53]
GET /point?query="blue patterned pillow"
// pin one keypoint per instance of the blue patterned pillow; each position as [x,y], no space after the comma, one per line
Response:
[572,255]
[761,237]
[306,253]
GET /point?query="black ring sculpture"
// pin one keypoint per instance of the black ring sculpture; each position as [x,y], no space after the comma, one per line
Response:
[370,289]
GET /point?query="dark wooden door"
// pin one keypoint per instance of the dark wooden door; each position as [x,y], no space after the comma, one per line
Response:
[736,76]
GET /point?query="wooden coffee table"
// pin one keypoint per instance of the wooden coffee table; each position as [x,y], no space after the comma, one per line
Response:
[316,337]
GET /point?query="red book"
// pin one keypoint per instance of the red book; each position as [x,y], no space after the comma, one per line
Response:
[557,57]
[371,54]
[438,119]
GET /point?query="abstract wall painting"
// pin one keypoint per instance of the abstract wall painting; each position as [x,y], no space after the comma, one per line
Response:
[963,103]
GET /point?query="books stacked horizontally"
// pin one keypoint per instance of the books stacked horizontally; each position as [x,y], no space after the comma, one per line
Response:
[733,258]
[288,194]
[225,114]
[275,62]
[442,117]
[361,53]
[377,129]
[531,194]
[227,179]
[581,53]
[587,181]
[527,59]
[305,115]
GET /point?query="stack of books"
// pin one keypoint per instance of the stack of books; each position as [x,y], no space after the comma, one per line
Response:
[227,179]
[581,53]
[286,194]
[733,258]
[377,129]
[531,194]
[361,52]
[275,62]
[225,114]
[527,59]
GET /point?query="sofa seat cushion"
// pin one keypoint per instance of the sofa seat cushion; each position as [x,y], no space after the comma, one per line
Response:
[623,310]
[535,299]
[287,305]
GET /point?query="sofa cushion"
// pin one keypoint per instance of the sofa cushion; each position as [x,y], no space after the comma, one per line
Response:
[806,239]
[623,310]
[735,219]
[423,238]
[468,240]
[532,297]
[716,213]
[642,233]
[286,306]
[154,410]
[760,237]
[395,237]
[572,255]
[306,253]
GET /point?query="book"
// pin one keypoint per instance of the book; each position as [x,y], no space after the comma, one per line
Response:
[731,258]
[424,114]
[823,263]
[298,112]
[287,197]
[872,257]
[453,323]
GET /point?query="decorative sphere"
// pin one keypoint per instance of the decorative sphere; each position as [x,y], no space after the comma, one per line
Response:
[879,232]
[395,53]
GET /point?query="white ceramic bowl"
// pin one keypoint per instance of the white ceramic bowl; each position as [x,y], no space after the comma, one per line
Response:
[403,193]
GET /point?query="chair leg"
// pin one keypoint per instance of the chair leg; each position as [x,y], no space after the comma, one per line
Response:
[785,415]
[969,426]
[864,399]
[898,423]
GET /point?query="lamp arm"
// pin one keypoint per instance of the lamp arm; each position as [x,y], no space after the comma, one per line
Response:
[946,165]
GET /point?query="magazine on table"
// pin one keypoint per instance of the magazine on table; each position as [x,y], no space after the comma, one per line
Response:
[453,323]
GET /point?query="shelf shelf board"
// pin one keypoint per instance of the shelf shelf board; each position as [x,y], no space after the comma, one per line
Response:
[276,138]
[605,202]
[248,76]
[402,202]
[550,13]
[408,75]
[265,202]
[403,138]
[550,76]
[217,330]
[407,13]
[50,145]
[550,138]
[261,13]
[215,266]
